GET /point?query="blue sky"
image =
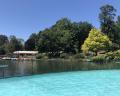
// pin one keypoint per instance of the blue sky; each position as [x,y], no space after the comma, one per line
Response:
[23,17]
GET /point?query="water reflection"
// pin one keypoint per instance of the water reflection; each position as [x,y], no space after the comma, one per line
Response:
[29,67]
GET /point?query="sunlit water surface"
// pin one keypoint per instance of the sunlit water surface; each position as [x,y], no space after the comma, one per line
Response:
[79,83]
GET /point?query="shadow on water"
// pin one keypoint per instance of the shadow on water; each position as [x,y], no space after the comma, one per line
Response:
[11,68]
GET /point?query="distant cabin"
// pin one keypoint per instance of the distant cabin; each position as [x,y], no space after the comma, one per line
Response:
[25,54]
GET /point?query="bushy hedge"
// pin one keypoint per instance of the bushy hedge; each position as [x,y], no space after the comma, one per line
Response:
[99,59]
[110,56]
[79,56]
[113,55]
[42,56]
[64,56]
[72,56]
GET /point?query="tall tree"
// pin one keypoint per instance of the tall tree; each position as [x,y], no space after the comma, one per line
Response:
[65,36]
[107,16]
[49,41]
[63,28]
[15,44]
[62,24]
[3,43]
[30,44]
[117,32]
[80,33]
[3,39]
[57,38]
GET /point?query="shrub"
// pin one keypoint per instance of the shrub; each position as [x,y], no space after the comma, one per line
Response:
[113,55]
[99,59]
[53,55]
[64,55]
[42,56]
[78,56]
[110,55]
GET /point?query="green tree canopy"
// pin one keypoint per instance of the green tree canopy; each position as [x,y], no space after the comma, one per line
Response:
[48,41]
[15,44]
[3,43]
[117,32]
[107,16]
[80,32]
[30,44]
[3,39]
[62,24]
[64,36]
[96,41]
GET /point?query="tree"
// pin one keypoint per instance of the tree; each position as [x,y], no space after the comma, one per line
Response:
[96,41]
[49,41]
[80,32]
[65,36]
[3,39]
[15,44]
[57,38]
[66,42]
[2,50]
[3,43]
[62,24]
[63,29]
[117,32]
[30,44]
[107,16]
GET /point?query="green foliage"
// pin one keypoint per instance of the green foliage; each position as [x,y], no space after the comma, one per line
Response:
[99,59]
[64,55]
[49,41]
[30,44]
[64,36]
[96,41]
[57,38]
[10,45]
[79,56]
[106,17]
[80,32]
[109,56]
[62,24]
[2,50]
[117,32]
[3,42]
[14,44]
[42,56]
[113,55]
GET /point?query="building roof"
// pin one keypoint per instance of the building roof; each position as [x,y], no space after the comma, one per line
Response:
[25,52]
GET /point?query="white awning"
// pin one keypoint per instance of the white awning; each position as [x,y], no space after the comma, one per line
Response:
[25,52]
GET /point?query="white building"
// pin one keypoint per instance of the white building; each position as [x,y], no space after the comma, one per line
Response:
[25,54]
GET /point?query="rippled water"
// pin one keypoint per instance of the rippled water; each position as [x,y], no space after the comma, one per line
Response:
[79,83]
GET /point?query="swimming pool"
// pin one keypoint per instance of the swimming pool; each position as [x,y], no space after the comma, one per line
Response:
[79,83]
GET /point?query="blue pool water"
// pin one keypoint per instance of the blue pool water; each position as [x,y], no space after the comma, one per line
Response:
[81,83]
